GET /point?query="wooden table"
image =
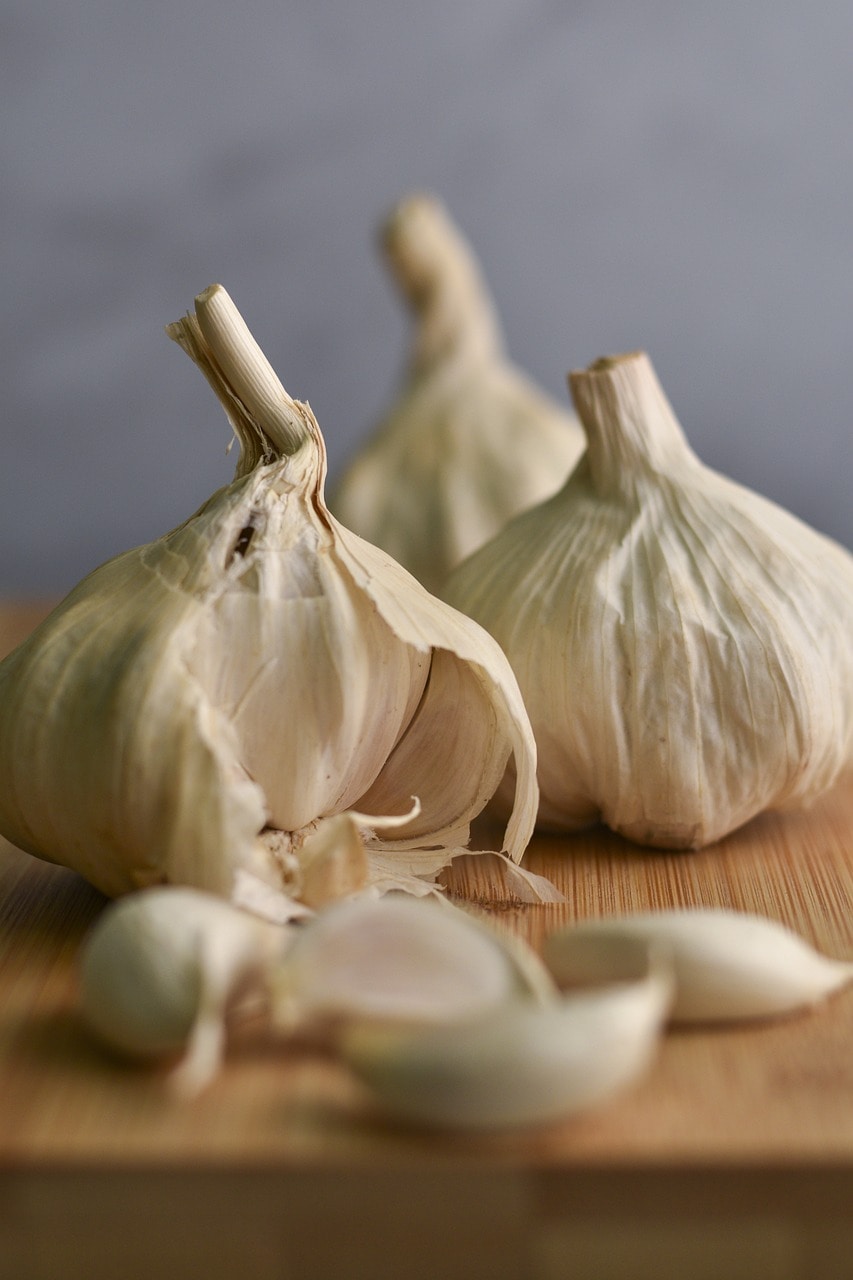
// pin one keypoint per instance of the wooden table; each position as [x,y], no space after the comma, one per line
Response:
[732,1158]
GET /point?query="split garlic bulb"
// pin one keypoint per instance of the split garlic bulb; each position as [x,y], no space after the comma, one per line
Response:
[684,647]
[196,707]
[469,441]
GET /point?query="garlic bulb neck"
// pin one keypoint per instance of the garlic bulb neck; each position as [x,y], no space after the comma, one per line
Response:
[442,284]
[630,427]
[269,424]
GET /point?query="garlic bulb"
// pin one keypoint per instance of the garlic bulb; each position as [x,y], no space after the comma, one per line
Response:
[196,708]
[469,441]
[726,965]
[683,646]
[160,969]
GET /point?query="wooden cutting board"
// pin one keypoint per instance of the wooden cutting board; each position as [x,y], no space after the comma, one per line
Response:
[732,1157]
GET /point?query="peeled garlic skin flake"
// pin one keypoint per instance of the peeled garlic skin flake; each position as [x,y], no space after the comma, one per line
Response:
[684,647]
[258,667]
[469,440]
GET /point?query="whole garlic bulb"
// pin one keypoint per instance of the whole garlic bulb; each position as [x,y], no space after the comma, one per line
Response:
[683,645]
[195,707]
[469,441]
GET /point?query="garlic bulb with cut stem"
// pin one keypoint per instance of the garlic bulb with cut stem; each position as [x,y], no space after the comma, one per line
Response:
[469,441]
[684,646]
[198,707]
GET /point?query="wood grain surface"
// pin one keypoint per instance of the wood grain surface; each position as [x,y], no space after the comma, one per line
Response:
[732,1157]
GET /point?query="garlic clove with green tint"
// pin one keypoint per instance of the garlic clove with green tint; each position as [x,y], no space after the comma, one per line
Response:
[197,708]
[161,969]
[683,645]
[469,440]
[726,965]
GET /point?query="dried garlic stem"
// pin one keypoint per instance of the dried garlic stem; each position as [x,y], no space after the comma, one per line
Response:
[617,398]
[268,423]
[442,283]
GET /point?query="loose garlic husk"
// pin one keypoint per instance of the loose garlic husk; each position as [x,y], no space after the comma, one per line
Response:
[683,645]
[469,440]
[160,970]
[523,1063]
[726,965]
[196,709]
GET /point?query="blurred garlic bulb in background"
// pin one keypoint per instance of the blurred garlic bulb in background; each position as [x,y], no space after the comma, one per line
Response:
[470,441]
[196,709]
[684,647]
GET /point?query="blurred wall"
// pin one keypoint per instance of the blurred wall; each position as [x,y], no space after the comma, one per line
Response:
[660,175]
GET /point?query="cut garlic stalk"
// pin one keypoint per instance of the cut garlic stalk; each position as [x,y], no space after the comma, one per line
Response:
[470,441]
[399,959]
[521,1064]
[196,709]
[160,969]
[726,965]
[683,645]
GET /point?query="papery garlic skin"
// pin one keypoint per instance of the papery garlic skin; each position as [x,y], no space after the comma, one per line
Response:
[684,647]
[256,671]
[469,441]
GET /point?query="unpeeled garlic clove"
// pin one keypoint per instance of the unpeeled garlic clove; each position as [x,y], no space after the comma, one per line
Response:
[521,1064]
[469,440]
[683,645]
[399,959]
[160,969]
[195,708]
[726,965]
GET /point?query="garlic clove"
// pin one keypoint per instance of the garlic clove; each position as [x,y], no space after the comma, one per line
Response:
[520,1064]
[332,862]
[160,970]
[469,441]
[726,965]
[682,645]
[399,959]
[195,708]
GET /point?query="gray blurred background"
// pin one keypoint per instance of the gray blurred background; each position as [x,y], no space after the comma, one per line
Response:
[632,174]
